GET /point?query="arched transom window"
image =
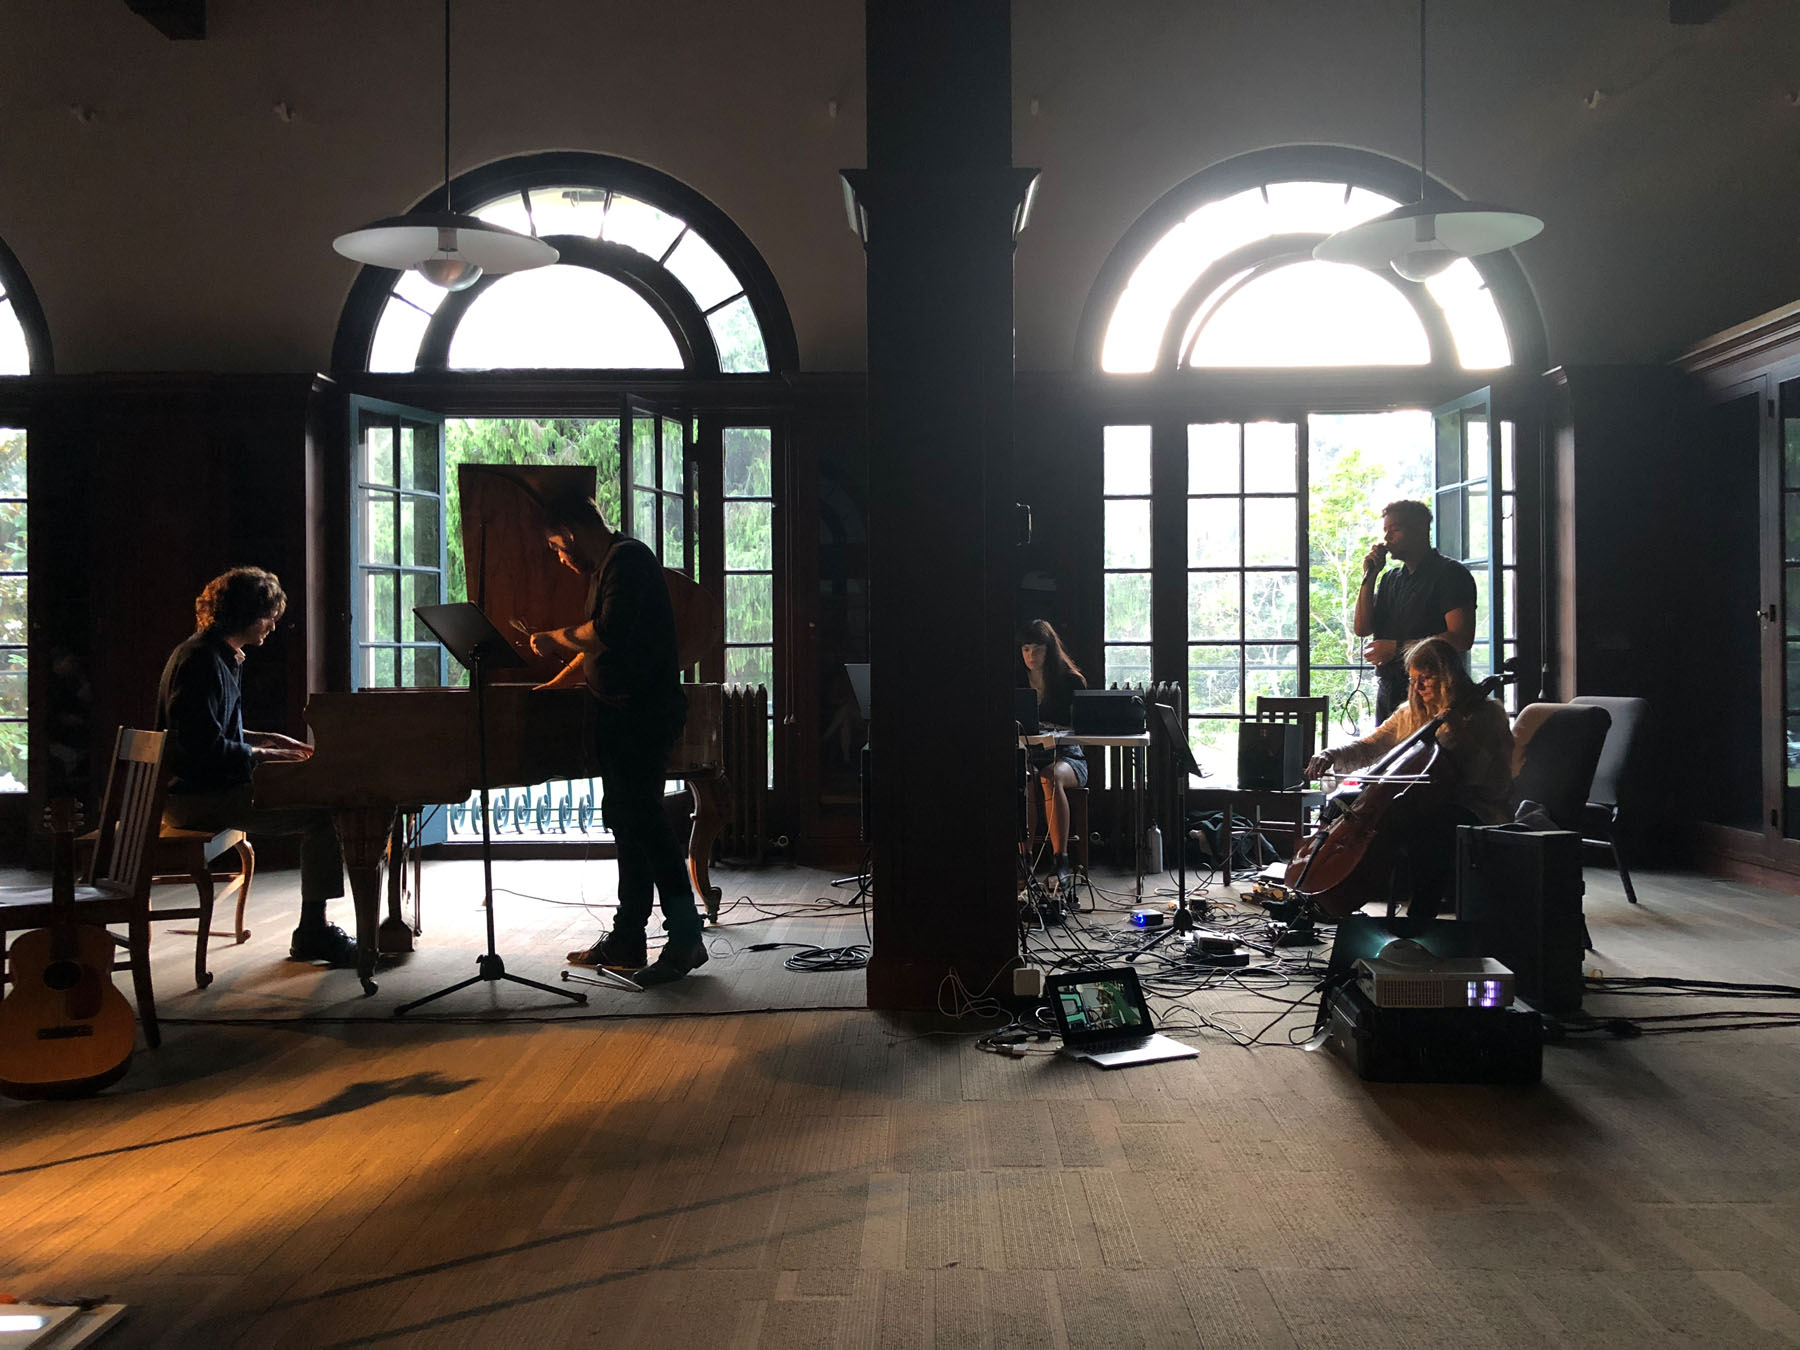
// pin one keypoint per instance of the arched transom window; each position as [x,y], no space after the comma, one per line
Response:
[646,281]
[1234,283]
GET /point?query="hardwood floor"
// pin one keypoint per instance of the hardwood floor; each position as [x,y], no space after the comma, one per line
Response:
[712,1176]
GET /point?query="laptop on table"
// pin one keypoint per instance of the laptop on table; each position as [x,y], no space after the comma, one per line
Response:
[1104,1019]
[1025,711]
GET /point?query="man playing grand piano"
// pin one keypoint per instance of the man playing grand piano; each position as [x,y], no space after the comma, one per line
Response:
[625,655]
[211,757]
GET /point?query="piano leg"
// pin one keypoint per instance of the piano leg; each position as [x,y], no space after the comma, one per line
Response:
[395,935]
[363,835]
[708,820]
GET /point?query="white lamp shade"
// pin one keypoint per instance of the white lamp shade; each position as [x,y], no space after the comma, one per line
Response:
[406,241]
[1425,237]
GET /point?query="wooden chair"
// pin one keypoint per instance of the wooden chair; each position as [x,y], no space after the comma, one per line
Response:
[196,858]
[1313,717]
[115,890]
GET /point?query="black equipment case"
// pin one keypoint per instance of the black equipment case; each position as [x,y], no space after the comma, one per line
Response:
[1435,1045]
[1525,886]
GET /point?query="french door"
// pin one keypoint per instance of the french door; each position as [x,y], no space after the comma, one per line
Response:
[399,549]
[1231,548]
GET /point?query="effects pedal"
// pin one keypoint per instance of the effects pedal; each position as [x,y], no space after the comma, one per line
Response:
[1217,950]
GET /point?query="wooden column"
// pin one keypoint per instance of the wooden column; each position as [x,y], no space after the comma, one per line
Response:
[940,195]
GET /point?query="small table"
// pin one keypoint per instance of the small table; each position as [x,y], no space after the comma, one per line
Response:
[1138,742]
[1227,796]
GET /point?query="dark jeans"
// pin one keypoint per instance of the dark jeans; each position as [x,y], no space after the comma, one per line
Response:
[321,861]
[633,762]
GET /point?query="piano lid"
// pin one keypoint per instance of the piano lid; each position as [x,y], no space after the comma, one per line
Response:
[511,572]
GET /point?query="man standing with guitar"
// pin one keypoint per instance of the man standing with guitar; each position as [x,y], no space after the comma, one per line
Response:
[211,757]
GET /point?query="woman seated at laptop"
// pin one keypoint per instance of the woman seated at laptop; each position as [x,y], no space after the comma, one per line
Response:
[1055,678]
[1475,746]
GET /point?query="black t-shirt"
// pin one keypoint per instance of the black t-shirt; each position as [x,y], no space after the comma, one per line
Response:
[628,601]
[1410,605]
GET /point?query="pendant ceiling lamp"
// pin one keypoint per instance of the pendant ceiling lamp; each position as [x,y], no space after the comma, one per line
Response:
[1421,239]
[446,249]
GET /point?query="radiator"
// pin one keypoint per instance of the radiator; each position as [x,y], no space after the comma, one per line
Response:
[744,759]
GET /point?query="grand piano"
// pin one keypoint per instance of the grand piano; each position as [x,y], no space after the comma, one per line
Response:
[379,752]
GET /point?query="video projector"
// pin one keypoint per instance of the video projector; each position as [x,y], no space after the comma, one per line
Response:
[1404,975]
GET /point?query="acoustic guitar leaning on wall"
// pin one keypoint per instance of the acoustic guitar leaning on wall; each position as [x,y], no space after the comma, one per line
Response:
[65,1029]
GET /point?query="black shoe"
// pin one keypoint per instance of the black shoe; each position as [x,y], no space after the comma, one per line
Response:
[327,943]
[677,958]
[621,949]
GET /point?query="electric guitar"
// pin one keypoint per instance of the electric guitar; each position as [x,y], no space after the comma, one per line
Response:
[65,1030]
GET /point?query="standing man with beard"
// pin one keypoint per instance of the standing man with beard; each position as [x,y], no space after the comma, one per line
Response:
[625,655]
[1429,595]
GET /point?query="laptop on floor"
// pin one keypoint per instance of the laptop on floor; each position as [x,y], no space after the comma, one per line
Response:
[1104,1019]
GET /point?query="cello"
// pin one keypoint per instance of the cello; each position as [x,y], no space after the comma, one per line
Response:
[1348,860]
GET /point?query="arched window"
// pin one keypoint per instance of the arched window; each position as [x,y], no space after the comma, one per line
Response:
[24,339]
[667,326]
[652,277]
[1283,402]
[1233,283]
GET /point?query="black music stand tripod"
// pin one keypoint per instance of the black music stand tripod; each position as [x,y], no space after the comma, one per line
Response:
[1178,761]
[478,646]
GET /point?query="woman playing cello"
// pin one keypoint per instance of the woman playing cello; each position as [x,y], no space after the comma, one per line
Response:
[1475,763]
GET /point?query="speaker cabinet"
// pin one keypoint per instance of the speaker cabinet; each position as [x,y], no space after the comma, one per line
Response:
[1268,756]
[1526,886]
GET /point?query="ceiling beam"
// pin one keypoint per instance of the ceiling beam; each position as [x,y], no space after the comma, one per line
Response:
[177,19]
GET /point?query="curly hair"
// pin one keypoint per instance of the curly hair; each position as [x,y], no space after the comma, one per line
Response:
[236,599]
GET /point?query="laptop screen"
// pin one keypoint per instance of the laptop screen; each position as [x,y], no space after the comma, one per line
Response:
[1025,710]
[858,674]
[1093,1004]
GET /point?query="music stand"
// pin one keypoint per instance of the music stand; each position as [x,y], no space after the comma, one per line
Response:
[857,672]
[478,647]
[1179,763]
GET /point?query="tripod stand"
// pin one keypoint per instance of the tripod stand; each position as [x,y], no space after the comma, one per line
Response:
[1178,766]
[475,643]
